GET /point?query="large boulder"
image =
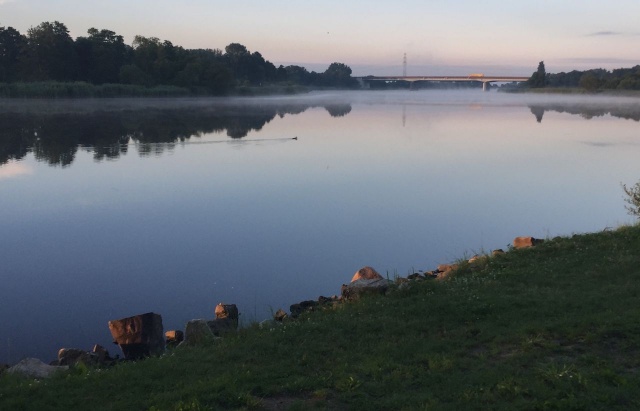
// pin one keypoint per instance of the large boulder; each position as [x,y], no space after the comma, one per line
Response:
[197,332]
[364,286]
[366,273]
[34,368]
[138,336]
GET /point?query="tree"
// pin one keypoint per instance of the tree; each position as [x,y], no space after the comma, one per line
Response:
[50,53]
[101,56]
[589,82]
[539,78]
[338,75]
[11,45]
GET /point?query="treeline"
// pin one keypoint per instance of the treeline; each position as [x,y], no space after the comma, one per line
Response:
[590,80]
[47,53]
[598,79]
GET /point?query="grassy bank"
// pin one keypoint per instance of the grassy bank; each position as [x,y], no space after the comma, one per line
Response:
[551,327]
[55,89]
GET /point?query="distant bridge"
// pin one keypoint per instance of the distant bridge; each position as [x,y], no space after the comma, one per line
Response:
[472,77]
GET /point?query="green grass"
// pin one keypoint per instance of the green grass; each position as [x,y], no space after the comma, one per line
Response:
[54,89]
[555,327]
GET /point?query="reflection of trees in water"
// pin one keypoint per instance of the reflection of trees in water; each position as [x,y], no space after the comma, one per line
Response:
[56,138]
[629,112]
[338,110]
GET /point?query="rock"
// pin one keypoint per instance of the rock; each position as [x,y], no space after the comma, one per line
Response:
[361,287]
[73,356]
[297,309]
[226,319]
[197,332]
[102,355]
[415,276]
[442,268]
[497,252]
[280,315]
[221,326]
[138,336]
[173,337]
[445,270]
[525,242]
[329,301]
[366,273]
[34,368]
[227,311]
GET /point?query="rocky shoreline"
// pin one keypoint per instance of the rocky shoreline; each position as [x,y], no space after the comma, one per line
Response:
[142,335]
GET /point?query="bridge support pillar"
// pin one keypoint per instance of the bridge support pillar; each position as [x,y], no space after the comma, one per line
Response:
[486,86]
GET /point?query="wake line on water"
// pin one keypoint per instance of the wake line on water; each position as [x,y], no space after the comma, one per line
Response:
[181,143]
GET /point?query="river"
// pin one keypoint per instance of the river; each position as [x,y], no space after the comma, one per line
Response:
[111,208]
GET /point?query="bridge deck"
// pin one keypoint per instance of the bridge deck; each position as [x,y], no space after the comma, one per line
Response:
[483,79]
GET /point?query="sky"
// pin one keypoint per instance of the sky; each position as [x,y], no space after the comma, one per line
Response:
[439,37]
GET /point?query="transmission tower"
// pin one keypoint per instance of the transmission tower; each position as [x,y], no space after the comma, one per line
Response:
[404,65]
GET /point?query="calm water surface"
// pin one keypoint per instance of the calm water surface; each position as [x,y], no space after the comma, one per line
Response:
[112,208]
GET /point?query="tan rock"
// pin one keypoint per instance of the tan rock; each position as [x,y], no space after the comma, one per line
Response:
[227,311]
[447,267]
[525,242]
[366,273]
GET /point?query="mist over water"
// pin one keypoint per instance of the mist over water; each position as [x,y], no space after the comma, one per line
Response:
[112,208]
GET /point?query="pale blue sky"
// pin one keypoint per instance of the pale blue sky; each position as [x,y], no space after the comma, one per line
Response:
[439,37]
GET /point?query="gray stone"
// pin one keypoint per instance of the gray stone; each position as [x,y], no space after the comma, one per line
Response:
[34,368]
[221,326]
[197,332]
[102,355]
[72,356]
[302,306]
[361,287]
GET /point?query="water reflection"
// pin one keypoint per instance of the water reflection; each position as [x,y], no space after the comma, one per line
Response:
[586,111]
[56,137]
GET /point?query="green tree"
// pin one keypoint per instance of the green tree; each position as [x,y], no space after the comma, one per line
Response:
[101,55]
[589,82]
[49,54]
[338,75]
[11,45]
[539,78]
